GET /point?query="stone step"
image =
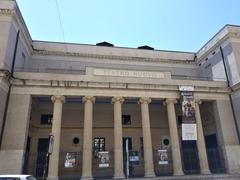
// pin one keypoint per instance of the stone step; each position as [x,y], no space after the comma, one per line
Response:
[194,177]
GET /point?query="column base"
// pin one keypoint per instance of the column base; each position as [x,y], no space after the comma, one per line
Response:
[150,175]
[178,173]
[118,177]
[205,172]
[52,178]
[86,178]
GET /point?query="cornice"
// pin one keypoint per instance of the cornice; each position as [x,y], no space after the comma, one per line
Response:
[216,45]
[23,29]
[19,23]
[110,57]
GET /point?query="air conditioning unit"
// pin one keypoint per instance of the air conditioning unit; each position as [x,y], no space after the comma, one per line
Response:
[166,142]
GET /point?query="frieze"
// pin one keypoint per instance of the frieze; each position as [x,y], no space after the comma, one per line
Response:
[111,85]
[111,57]
[6,11]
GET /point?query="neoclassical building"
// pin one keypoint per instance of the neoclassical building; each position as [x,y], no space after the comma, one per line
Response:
[100,111]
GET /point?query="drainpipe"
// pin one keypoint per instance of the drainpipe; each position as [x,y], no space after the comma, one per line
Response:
[9,89]
[230,97]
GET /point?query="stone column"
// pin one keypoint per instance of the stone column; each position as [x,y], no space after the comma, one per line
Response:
[176,155]
[56,132]
[87,137]
[203,160]
[118,152]
[147,139]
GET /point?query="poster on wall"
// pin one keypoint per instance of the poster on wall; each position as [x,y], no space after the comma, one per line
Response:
[133,158]
[70,160]
[189,132]
[162,156]
[188,107]
[103,159]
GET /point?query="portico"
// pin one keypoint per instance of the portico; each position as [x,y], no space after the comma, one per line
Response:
[115,105]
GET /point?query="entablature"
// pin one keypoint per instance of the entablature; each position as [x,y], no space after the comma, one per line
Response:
[86,81]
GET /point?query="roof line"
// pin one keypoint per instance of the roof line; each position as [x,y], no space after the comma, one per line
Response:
[70,43]
[226,25]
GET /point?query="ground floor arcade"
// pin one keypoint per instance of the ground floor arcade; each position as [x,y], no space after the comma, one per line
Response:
[142,123]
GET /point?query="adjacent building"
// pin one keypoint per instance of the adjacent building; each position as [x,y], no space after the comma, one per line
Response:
[116,112]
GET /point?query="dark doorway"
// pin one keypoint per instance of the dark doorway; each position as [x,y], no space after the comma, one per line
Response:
[214,153]
[41,156]
[125,155]
[190,157]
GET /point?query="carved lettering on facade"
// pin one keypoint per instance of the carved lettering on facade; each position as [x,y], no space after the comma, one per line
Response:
[128,73]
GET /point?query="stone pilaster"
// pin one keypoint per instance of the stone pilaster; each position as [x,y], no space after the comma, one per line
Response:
[227,134]
[56,132]
[87,137]
[147,140]
[203,160]
[118,148]
[15,134]
[175,147]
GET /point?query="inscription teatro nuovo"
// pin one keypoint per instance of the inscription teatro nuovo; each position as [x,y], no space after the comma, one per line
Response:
[128,73]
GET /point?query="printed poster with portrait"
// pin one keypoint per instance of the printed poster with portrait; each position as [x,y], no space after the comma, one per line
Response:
[70,160]
[188,107]
[103,159]
[162,156]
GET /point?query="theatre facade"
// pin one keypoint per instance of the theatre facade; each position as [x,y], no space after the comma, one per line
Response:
[100,111]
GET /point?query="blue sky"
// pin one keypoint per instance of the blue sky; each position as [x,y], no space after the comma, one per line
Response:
[178,25]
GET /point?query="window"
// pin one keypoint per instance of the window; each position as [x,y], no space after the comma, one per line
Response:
[99,145]
[76,140]
[46,119]
[126,119]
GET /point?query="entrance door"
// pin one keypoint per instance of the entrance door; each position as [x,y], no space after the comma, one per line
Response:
[190,157]
[41,155]
[125,140]
[215,158]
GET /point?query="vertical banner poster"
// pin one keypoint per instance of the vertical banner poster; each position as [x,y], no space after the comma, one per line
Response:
[189,129]
[103,159]
[162,156]
[70,160]
[188,107]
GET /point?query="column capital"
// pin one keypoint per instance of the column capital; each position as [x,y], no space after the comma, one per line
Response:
[198,101]
[170,101]
[88,98]
[58,98]
[143,100]
[117,99]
